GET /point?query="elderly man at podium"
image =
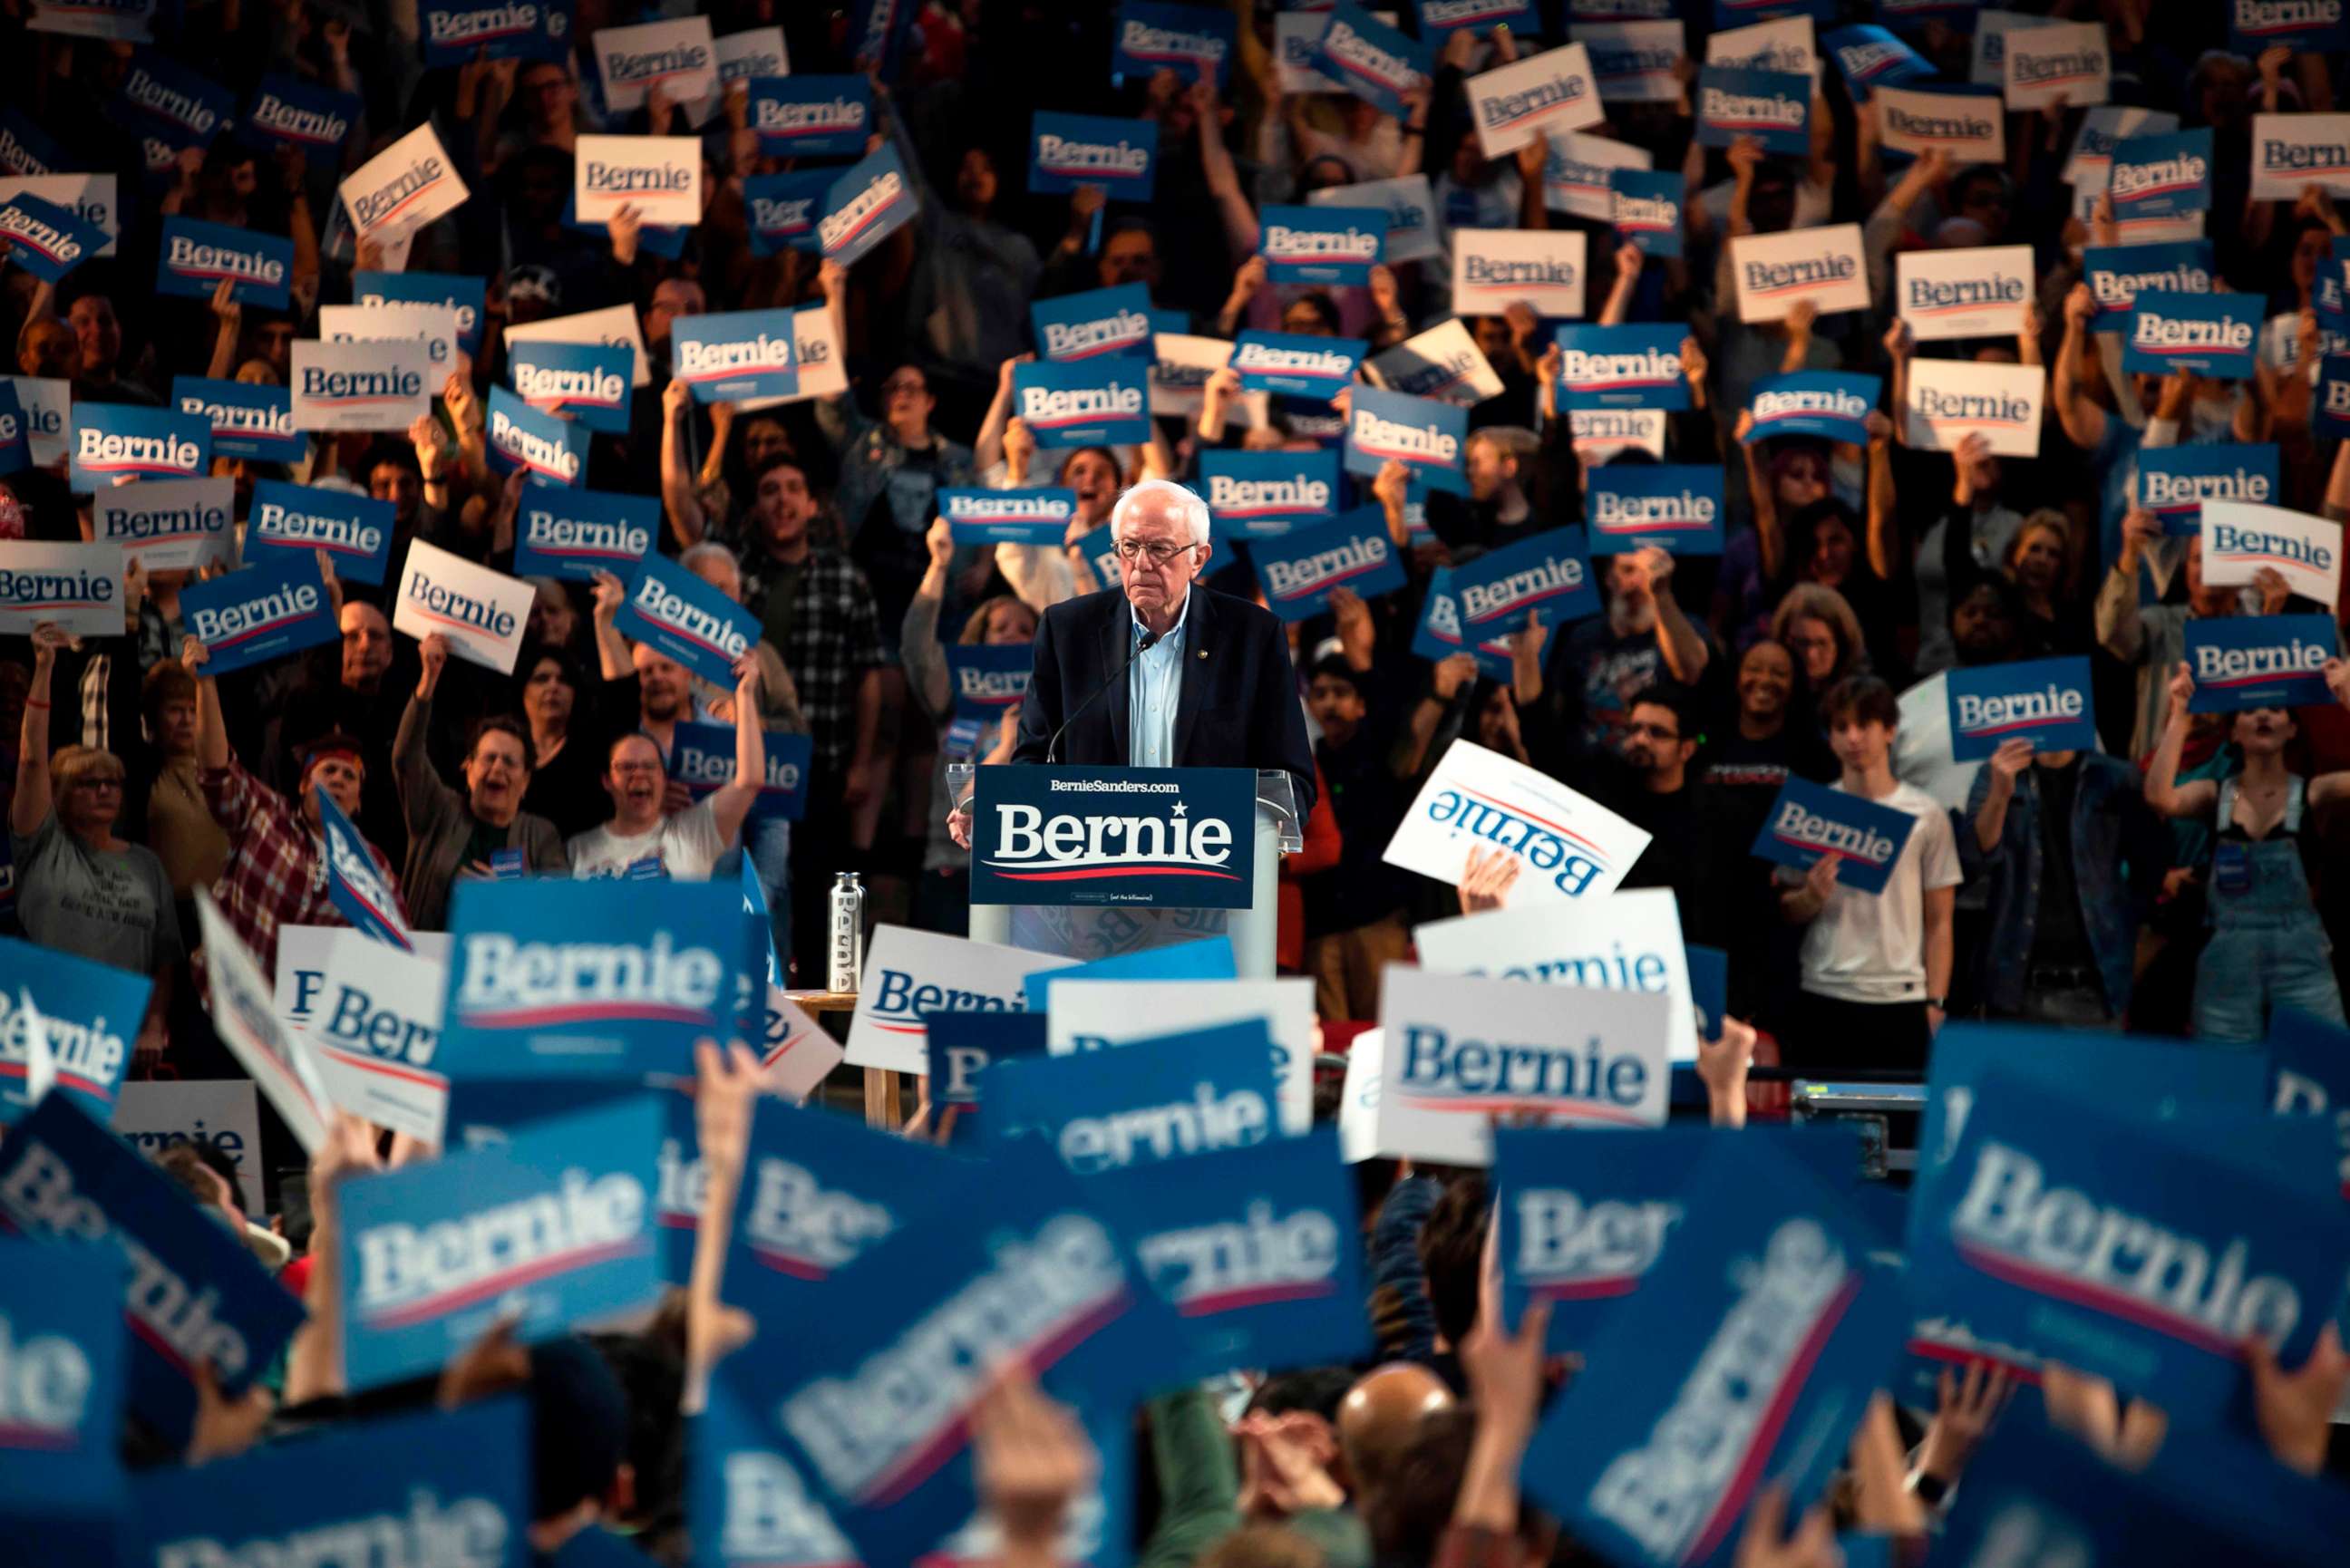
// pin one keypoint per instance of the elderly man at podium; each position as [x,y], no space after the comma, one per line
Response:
[1162,671]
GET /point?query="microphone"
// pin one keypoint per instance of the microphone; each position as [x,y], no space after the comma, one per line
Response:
[1142,645]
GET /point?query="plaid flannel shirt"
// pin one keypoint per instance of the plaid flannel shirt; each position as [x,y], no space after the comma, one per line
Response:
[277,869]
[835,638]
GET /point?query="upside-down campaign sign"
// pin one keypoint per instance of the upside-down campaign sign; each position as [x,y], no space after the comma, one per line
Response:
[191,1294]
[1085,402]
[2044,701]
[483,613]
[259,614]
[2014,1236]
[1947,400]
[1823,265]
[552,1229]
[2241,540]
[681,616]
[2212,335]
[2174,482]
[1979,293]
[1117,157]
[1182,837]
[1769,1335]
[1460,1051]
[611,979]
[1476,799]
[2257,661]
[1299,569]
[1426,436]
[1675,506]
[1808,821]
[89,1014]
[909,973]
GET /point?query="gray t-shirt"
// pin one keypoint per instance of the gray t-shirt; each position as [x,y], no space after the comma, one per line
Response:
[113,907]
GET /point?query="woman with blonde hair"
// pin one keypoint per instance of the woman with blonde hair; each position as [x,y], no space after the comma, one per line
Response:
[2044,564]
[1816,625]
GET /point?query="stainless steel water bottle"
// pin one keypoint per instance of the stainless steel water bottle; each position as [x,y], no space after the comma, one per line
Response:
[847,952]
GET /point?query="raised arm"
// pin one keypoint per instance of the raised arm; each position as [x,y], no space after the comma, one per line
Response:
[730,802]
[2164,792]
[30,806]
[611,649]
[926,664]
[2076,411]
[687,524]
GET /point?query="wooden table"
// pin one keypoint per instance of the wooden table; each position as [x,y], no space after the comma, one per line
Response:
[881,1087]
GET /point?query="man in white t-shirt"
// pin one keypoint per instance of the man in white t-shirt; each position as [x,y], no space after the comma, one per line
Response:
[642,839]
[1877,967]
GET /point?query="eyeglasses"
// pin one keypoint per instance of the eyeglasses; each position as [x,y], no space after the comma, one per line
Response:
[1157,555]
[111,781]
[897,384]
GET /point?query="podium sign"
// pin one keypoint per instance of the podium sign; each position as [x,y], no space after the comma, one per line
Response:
[1170,838]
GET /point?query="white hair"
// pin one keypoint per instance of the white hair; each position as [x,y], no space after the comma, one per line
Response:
[1188,507]
[711,550]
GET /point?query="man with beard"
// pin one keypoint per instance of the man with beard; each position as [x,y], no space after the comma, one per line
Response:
[645,836]
[1641,641]
[1652,785]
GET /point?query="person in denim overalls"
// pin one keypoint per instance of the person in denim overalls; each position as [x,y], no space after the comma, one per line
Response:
[2268,948]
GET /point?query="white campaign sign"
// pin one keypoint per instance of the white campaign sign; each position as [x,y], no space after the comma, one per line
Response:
[1410,207]
[1787,44]
[2292,150]
[910,973]
[1980,293]
[79,588]
[1823,265]
[1495,268]
[2065,62]
[1456,1051]
[90,195]
[397,320]
[243,1014]
[679,57]
[1600,434]
[1119,1013]
[1553,90]
[168,525]
[1988,68]
[2240,538]
[1568,846]
[1200,356]
[403,187]
[302,954]
[374,1031]
[47,403]
[224,1113]
[1947,400]
[1629,941]
[660,176]
[614,325]
[797,1063]
[754,52]
[1443,362]
[380,385]
[1574,179]
[816,343]
[483,613]
[1969,127]
[2091,159]
[1358,1098]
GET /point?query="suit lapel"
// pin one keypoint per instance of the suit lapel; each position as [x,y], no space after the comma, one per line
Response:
[1117,637]
[1198,653]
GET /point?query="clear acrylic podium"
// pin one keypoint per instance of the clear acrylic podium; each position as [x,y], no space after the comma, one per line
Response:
[1087,932]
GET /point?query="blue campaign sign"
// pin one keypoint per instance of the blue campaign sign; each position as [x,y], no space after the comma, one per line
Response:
[452,1486]
[2163,176]
[555,1227]
[1636,367]
[1116,157]
[1297,364]
[1299,570]
[1186,838]
[1039,516]
[818,1192]
[89,1012]
[456,31]
[752,1508]
[1809,820]
[868,1407]
[1322,244]
[701,757]
[28,150]
[314,120]
[2312,1061]
[2306,26]
[960,1046]
[811,116]
[2174,482]
[986,682]
[179,106]
[1265,494]
[864,206]
[1143,1103]
[115,440]
[1438,634]
[2117,275]
[2257,661]
[1209,957]
[2044,701]
[1584,1214]
[1832,404]
[1648,208]
[585,381]
[192,1291]
[1709,974]
[736,355]
[355,886]
[45,239]
[259,612]
[1192,41]
[465,295]
[572,535]
[1772,106]
[609,980]
[1088,402]
[1426,435]
[1259,1250]
[782,209]
[61,1323]
[2223,1246]
[550,449]
[197,257]
[2331,417]
[1675,506]
[245,419]
[1376,62]
[1763,1333]
[1438,17]
[298,519]
[684,619]
[1097,321]
[1547,576]
[1869,58]
[2215,335]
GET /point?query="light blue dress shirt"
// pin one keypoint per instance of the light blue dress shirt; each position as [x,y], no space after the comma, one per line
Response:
[1154,686]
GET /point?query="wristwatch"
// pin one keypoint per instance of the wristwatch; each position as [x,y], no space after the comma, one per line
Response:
[1939,1004]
